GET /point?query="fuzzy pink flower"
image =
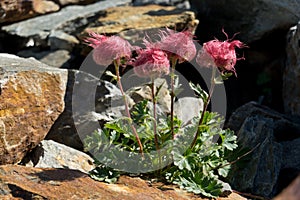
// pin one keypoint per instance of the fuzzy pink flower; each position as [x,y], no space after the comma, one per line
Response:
[219,54]
[178,44]
[108,49]
[151,63]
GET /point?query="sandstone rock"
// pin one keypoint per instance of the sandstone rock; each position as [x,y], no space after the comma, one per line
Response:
[16,10]
[69,19]
[271,137]
[31,99]
[27,183]
[136,21]
[50,154]
[290,90]
[254,19]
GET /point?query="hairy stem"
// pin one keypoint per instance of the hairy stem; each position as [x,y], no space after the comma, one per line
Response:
[154,121]
[127,109]
[206,103]
[173,62]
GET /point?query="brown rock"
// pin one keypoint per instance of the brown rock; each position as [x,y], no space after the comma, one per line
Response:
[35,183]
[31,99]
[136,20]
[292,192]
[16,10]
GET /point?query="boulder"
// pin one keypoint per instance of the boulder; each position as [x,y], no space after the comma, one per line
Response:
[292,192]
[50,183]
[290,88]
[136,21]
[16,10]
[50,154]
[253,19]
[31,99]
[271,139]
[177,3]
[70,19]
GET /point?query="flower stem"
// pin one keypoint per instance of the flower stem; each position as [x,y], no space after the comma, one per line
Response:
[126,107]
[206,103]
[154,121]
[173,62]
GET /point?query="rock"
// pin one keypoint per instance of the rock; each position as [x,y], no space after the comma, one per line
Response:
[88,102]
[61,40]
[178,3]
[136,21]
[139,93]
[292,192]
[269,136]
[69,19]
[67,2]
[290,88]
[16,10]
[253,19]
[187,108]
[27,183]
[31,99]
[50,154]
[53,58]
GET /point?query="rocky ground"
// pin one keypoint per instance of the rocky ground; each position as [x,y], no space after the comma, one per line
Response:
[41,50]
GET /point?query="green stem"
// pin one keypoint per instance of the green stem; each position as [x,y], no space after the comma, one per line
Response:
[206,103]
[126,107]
[173,62]
[154,121]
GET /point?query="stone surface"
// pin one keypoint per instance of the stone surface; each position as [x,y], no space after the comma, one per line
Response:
[177,3]
[16,10]
[292,192]
[67,2]
[50,154]
[87,102]
[34,183]
[291,90]
[253,19]
[136,21]
[53,58]
[187,108]
[273,140]
[31,99]
[69,19]
[61,40]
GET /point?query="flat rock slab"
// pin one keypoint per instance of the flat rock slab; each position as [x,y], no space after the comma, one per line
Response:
[35,183]
[31,99]
[136,20]
[68,19]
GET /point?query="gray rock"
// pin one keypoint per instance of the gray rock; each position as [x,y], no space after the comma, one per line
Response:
[177,3]
[272,137]
[88,104]
[291,75]
[62,40]
[56,58]
[69,19]
[261,174]
[50,154]
[187,108]
[252,18]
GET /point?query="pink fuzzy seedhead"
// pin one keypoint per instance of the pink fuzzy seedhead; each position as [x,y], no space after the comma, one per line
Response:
[151,63]
[219,54]
[108,49]
[177,44]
